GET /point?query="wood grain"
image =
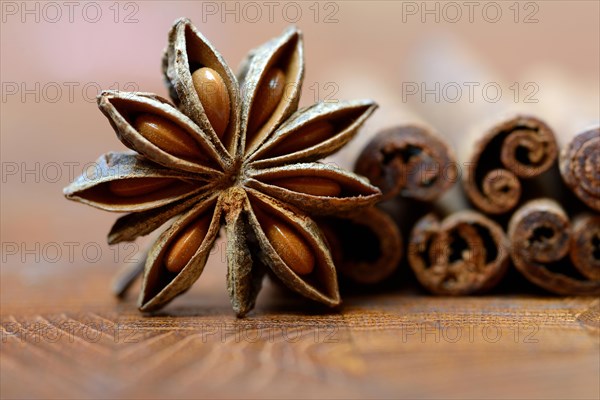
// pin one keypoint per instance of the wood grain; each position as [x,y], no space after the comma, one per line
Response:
[88,345]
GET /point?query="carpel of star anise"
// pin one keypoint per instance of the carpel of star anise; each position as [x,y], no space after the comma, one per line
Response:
[232,151]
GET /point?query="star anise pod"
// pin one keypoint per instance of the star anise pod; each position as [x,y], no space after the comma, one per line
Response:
[232,151]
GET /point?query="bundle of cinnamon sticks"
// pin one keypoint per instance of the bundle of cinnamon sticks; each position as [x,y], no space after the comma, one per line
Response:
[519,199]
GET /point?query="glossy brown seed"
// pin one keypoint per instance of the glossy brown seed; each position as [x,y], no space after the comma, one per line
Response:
[304,138]
[310,185]
[138,186]
[268,96]
[288,243]
[168,136]
[214,97]
[187,243]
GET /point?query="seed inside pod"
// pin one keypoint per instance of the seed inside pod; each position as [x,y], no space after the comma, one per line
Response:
[310,185]
[187,243]
[288,243]
[304,138]
[268,96]
[214,97]
[168,136]
[138,186]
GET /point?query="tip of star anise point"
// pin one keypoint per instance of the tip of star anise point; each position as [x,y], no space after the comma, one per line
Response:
[292,30]
[182,21]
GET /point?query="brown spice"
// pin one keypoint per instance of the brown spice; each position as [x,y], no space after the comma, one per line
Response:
[214,97]
[408,161]
[271,89]
[541,237]
[580,166]
[465,253]
[215,152]
[366,246]
[585,245]
[522,147]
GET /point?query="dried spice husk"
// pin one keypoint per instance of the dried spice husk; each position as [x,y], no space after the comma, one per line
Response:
[345,116]
[319,285]
[366,246]
[244,272]
[133,225]
[465,253]
[579,161]
[235,178]
[188,49]
[541,237]
[93,186]
[285,52]
[353,192]
[159,285]
[522,147]
[409,161]
[120,108]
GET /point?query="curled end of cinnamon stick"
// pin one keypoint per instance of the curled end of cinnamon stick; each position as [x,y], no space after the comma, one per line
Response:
[580,166]
[522,147]
[410,161]
[585,245]
[541,236]
[465,253]
[366,247]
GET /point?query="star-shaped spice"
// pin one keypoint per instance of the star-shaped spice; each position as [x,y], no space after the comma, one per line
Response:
[232,151]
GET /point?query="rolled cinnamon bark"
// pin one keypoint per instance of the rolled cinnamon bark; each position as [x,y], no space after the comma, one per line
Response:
[413,167]
[585,245]
[542,238]
[522,147]
[366,247]
[409,161]
[580,166]
[465,253]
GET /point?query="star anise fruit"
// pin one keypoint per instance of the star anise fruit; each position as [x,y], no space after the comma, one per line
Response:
[232,151]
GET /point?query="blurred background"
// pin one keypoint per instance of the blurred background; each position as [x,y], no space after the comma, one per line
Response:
[452,65]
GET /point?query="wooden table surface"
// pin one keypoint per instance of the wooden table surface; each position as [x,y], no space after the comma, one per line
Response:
[63,335]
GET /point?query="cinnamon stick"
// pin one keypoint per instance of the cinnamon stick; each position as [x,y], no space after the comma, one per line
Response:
[412,166]
[542,239]
[366,247]
[580,166]
[415,168]
[409,161]
[465,253]
[519,148]
[585,245]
